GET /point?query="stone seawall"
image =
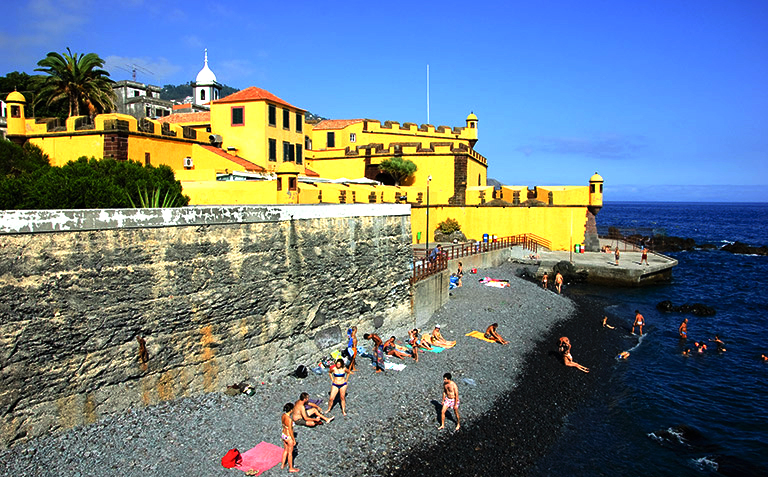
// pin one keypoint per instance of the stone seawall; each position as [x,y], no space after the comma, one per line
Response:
[218,294]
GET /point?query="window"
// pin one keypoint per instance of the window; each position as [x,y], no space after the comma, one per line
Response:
[279,183]
[307,143]
[352,137]
[135,94]
[471,125]
[216,94]
[299,122]
[298,154]
[147,159]
[331,139]
[479,180]
[273,150]
[291,183]
[149,112]
[238,116]
[286,119]
[202,95]
[592,188]
[15,111]
[272,115]
[286,154]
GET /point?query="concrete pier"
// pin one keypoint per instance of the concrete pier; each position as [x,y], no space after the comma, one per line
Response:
[601,267]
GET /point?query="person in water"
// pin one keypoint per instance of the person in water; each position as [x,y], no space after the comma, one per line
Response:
[339,379]
[605,323]
[559,282]
[683,330]
[544,280]
[288,438]
[492,334]
[450,400]
[719,343]
[639,322]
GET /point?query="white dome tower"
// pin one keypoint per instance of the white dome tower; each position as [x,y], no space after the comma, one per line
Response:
[206,87]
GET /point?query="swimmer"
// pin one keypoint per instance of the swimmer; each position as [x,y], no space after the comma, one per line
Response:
[623,355]
[544,281]
[606,325]
[683,330]
[764,358]
[687,352]
[639,322]
[719,342]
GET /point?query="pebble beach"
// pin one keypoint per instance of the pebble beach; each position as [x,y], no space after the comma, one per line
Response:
[513,401]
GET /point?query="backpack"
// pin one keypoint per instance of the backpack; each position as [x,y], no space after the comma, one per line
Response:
[231,459]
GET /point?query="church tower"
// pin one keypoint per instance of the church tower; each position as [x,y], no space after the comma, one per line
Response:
[206,87]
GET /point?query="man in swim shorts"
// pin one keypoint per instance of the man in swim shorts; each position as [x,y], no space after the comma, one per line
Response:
[644,256]
[450,400]
[639,322]
[307,413]
[683,330]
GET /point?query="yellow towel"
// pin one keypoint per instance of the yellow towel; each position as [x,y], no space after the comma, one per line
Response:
[478,335]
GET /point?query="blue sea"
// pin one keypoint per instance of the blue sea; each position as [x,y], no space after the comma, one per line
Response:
[660,413]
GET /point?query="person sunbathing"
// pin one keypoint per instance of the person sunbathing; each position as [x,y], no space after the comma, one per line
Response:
[437,339]
[390,348]
[564,345]
[417,342]
[494,335]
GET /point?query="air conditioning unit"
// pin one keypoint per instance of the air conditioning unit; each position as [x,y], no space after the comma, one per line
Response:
[187,162]
[215,140]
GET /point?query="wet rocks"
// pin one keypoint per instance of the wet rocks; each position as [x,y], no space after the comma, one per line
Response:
[698,309]
[744,249]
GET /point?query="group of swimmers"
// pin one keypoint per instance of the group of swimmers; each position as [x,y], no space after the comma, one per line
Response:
[698,347]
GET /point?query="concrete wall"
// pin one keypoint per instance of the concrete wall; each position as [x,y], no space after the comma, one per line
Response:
[219,294]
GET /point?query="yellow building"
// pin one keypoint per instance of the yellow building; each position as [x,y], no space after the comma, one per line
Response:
[255,148]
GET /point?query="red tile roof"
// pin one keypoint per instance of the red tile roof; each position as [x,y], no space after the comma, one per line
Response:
[310,173]
[202,117]
[248,165]
[254,94]
[335,123]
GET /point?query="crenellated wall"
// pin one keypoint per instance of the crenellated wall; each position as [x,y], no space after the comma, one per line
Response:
[218,294]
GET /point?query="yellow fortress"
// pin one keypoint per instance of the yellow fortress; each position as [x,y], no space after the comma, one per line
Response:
[253,147]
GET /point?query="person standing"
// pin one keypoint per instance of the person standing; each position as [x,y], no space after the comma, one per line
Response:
[378,350]
[289,440]
[544,280]
[639,322]
[450,400]
[460,273]
[644,257]
[616,255]
[352,347]
[339,381]
[559,282]
[683,330]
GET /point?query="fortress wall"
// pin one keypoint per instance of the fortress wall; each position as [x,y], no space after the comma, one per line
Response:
[219,294]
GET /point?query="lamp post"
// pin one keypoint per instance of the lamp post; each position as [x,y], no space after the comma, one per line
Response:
[571,235]
[426,242]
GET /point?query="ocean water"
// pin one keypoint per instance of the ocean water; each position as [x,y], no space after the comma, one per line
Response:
[660,413]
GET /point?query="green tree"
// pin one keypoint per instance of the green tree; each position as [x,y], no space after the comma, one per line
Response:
[397,167]
[90,184]
[78,80]
[16,160]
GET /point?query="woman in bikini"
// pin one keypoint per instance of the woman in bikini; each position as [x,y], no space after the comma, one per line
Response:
[416,341]
[339,380]
[289,440]
[460,273]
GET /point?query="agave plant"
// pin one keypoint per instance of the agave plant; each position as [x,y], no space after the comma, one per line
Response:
[152,200]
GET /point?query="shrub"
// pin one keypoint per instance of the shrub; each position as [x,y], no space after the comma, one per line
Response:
[448,226]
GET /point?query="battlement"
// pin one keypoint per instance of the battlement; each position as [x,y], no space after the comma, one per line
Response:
[107,123]
[374,126]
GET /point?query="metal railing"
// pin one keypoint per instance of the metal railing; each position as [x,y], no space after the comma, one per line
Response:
[423,267]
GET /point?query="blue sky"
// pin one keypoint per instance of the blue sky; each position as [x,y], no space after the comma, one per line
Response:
[667,100]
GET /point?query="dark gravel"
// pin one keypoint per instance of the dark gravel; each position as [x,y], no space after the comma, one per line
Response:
[510,415]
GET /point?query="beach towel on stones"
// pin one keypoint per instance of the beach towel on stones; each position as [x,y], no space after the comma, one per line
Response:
[479,335]
[394,366]
[262,457]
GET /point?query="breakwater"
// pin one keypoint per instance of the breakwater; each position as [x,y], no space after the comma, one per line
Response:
[102,311]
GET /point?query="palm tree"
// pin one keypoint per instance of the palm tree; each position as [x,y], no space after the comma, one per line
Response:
[78,79]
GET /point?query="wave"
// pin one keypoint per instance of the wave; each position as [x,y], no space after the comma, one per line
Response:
[706,463]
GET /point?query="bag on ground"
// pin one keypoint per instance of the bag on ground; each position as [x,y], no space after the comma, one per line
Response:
[231,459]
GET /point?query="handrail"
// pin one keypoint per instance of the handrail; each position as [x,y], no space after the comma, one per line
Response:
[423,268]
